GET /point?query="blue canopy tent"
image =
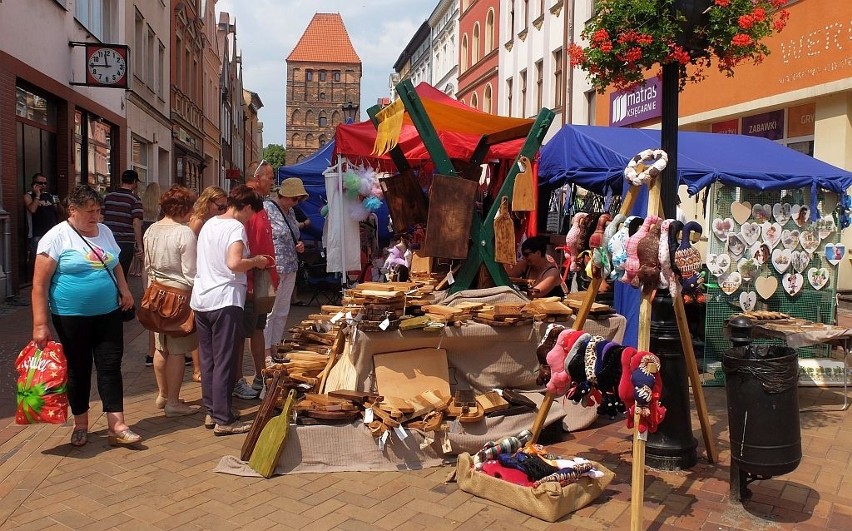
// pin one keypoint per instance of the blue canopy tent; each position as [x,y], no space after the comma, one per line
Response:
[310,170]
[595,157]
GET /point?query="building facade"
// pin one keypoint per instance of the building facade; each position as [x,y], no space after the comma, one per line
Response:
[231,101]
[72,134]
[323,77]
[416,58]
[253,128]
[444,38]
[212,173]
[479,27]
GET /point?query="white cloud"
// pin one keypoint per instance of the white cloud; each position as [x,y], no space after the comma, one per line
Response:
[268,30]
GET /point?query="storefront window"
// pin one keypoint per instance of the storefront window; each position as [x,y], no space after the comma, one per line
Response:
[139,156]
[33,107]
[93,149]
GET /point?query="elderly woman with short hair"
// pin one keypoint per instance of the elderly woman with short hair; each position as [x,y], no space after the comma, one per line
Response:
[79,284]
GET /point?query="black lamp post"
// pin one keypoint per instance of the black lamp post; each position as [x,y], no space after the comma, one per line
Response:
[350,112]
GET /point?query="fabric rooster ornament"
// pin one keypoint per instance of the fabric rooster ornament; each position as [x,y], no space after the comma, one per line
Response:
[575,238]
[631,266]
[618,247]
[688,261]
[551,334]
[559,380]
[640,389]
[601,257]
[649,259]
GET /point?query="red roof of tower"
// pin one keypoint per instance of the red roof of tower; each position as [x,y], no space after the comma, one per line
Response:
[325,41]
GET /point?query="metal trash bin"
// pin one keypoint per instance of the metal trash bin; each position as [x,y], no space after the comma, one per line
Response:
[763,413]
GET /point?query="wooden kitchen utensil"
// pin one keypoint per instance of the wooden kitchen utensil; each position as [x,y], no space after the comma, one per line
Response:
[451,202]
[269,446]
[523,193]
[504,235]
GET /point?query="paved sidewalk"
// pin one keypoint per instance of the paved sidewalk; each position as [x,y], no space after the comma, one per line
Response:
[47,484]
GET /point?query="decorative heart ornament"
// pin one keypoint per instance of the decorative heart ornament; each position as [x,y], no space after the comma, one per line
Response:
[825,226]
[730,282]
[781,259]
[761,213]
[800,214]
[771,234]
[736,245]
[750,232]
[766,286]
[723,227]
[740,211]
[747,268]
[792,283]
[834,252]
[760,253]
[818,277]
[718,264]
[781,212]
[747,300]
[800,261]
[790,239]
[809,241]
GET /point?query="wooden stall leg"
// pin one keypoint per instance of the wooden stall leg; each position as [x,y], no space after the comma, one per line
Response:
[637,487]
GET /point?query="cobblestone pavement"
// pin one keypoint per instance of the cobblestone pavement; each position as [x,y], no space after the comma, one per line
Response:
[47,484]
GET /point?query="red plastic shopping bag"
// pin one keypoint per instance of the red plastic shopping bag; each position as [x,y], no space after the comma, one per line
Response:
[42,381]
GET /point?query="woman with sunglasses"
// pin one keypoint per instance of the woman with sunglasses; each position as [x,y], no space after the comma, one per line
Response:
[539,268]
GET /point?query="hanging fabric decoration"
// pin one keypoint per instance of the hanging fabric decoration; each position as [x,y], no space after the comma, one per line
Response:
[645,166]
[390,127]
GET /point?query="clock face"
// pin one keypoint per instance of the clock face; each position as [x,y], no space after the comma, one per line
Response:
[106,66]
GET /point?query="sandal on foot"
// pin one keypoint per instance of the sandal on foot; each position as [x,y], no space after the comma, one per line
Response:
[79,437]
[124,438]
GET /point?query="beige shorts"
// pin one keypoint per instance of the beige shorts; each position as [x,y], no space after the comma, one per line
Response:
[175,345]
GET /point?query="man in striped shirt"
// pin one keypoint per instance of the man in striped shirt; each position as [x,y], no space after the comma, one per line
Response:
[122,213]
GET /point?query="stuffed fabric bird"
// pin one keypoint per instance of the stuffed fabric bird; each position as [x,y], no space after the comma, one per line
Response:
[647,387]
[618,248]
[551,334]
[559,379]
[648,252]
[631,267]
[575,238]
[506,445]
[688,260]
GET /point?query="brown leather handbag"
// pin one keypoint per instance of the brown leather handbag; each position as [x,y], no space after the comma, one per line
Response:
[166,310]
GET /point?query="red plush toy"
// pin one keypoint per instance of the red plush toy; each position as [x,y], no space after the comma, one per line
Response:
[641,387]
[42,380]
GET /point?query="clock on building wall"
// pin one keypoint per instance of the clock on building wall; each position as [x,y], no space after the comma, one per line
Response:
[106,65]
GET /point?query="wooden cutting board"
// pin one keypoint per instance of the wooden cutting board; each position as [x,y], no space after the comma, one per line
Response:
[451,201]
[405,200]
[409,373]
[272,439]
[523,192]
[504,235]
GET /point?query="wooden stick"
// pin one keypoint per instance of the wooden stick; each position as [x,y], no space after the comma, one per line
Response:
[637,488]
[695,381]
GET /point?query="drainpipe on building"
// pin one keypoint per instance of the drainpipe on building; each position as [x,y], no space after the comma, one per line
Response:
[568,39]
[5,244]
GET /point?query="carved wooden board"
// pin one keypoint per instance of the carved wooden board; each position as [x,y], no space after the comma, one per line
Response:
[523,192]
[450,213]
[504,235]
[405,200]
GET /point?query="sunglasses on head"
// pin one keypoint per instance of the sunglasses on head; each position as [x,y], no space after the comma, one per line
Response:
[259,166]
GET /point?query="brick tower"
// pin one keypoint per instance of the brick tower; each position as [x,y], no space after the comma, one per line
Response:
[323,79]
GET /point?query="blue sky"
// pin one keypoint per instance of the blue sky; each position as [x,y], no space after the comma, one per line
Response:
[267,31]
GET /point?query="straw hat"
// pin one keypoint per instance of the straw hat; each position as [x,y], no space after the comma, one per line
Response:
[292,187]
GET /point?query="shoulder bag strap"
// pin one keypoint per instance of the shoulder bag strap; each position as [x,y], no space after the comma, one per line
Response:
[283,215]
[114,281]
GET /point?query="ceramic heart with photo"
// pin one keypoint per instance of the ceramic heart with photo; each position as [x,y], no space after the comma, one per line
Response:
[792,283]
[766,286]
[825,226]
[818,277]
[750,232]
[736,246]
[781,259]
[790,239]
[771,233]
[800,214]
[722,228]
[800,260]
[747,268]
[781,212]
[761,213]
[834,252]
[718,264]
[741,212]
[809,241]
[730,282]
[747,300]
[760,253]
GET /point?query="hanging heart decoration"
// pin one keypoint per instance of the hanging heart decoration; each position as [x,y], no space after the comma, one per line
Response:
[818,277]
[771,234]
[750,232]
[718,264]
[722,228]
[800,261]
[761,213]
[760,253]
[747,300]
[736,245]
[741,212]
[730,282]
[781,259]
[766,286]
[790,239]
[792,283]
[825,226]
[747,268]
[834,252]
[800,214]
[781,212]
[809,241]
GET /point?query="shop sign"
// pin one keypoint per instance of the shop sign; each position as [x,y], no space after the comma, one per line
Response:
[233,174]
[642,103]
[800,120]
[768,125]
[728,127]
[186,138]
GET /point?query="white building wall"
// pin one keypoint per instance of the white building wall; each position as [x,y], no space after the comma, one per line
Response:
[444,24]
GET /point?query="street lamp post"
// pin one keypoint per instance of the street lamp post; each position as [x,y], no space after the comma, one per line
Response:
[350,111]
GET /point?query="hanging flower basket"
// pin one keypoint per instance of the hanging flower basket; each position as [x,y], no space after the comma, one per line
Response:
[628,37]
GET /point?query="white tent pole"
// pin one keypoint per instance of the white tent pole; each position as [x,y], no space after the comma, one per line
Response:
[340,220]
